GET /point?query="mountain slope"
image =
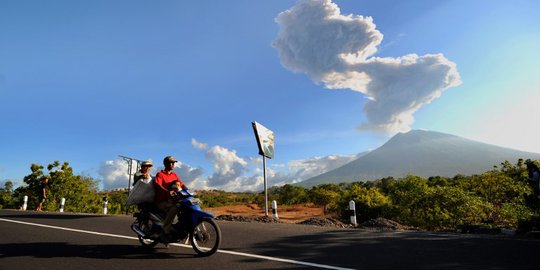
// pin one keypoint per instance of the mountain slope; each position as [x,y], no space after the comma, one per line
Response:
[422,153]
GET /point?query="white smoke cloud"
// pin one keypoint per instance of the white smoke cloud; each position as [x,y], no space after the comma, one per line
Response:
[337,50]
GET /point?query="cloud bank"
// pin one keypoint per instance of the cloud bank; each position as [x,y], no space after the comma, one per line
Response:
[230,172]
[114,174]
[234,173]
[337,50]
[306,168]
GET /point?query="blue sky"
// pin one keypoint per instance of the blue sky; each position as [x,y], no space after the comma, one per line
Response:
[85,82]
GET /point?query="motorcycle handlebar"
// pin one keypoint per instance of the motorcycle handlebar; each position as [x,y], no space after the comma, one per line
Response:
[185,193]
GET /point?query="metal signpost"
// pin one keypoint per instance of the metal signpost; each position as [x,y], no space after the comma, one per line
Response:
[265,142]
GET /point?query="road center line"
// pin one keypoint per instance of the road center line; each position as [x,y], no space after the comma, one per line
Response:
[184,246]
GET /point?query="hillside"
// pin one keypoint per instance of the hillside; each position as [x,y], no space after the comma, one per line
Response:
[422,153]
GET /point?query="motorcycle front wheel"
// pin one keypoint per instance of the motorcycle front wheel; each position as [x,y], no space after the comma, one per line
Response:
[205,237]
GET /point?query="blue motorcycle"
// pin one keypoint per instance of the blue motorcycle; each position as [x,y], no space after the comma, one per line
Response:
[193,225]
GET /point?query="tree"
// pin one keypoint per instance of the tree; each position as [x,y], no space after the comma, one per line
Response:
[497,187]
[408,192]
[437,181]
[7,199]
[505,191]
[31,189]
[289,194]
[79,191]
[325,195]
[8,187]
[516,171]
[384,184]
[448,207]
[369,202]
[116,201]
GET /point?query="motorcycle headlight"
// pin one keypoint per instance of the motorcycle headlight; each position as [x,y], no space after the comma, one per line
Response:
[194,201]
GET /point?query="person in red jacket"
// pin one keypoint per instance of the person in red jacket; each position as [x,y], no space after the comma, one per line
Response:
[163,198]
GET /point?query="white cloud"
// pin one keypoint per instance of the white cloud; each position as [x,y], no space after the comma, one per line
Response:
[190,176]
[337,50]
[230,172]
[228,167]
[244,183]
[233,173]
[16,183]
[304,169]
[114,173]
[198,145]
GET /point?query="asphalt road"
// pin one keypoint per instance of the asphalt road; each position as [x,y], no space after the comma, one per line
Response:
[33,240]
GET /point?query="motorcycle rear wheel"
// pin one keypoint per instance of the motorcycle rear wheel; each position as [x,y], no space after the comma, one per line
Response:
[205,237]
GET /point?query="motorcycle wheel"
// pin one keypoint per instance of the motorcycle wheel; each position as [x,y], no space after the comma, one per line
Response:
[205,237]
[147,229]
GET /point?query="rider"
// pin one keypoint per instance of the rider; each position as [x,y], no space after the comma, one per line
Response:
[144,172]
[164,192]
[144,175]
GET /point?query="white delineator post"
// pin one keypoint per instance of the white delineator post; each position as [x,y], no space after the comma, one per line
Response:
[352,209]
[274,210]
[62,203]
[105,202]
[25,203]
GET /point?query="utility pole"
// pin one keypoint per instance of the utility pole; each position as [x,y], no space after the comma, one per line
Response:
[129,161]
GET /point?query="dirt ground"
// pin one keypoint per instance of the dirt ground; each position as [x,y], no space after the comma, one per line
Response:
[286,213]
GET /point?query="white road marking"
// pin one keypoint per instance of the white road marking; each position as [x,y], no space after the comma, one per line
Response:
[185,246]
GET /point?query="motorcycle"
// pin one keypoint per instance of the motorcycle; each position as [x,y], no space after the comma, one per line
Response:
[193,225]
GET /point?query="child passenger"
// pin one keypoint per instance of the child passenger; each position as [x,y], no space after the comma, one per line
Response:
[176,185]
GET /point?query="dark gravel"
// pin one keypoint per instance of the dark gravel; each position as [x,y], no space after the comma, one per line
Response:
[377,224]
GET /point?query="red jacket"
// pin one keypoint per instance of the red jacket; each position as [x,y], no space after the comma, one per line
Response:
[162,183]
